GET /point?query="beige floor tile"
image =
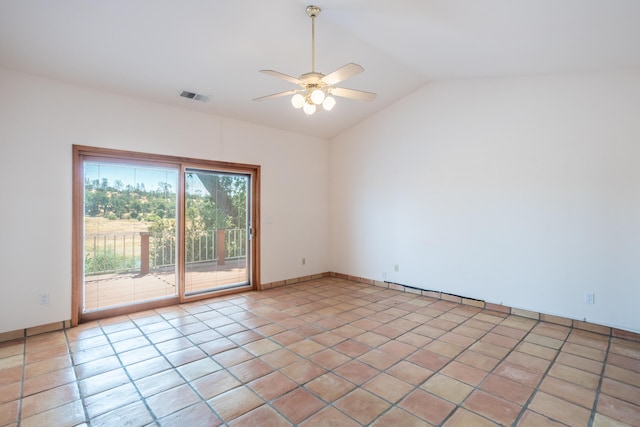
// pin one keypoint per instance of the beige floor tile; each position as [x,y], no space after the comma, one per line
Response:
[579,362]
[280,358]
[198,368]
[306,347]
[298,405]
[492,407]
[48,381]
[518,374]
[352,348]
[303,371]
[507,389]
[544,341]
[465,373]
[43,367]
[528,361]
[388,387]
[10,392]
[10,376]
[329,416]
[448,388]
[235,402]
[409,372]
[49,399]
[356,372]
[569,391]
[622,375]
[399,417]
[500,340]
[135,413]
[533,419]
[272,385]
[379,359]
[9,412]
[619,410]
[330,387]
[576,376]
[427,406]
[559,409]
[111,399]
[478,360]
[330,358]
[322,352]
[399,349]
[428,359]
[629,363]
[232,357]
[250,370]
[68,414]
[622,391]
[102,382]
[603,421]
[213,384]
[261,416]
[362,406]
[465,418]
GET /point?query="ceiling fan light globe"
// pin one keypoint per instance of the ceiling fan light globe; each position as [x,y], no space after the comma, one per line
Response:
[329,103]
[297,100]
[309,108]
[317,96]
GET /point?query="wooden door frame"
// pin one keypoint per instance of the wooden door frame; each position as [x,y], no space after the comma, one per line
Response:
[80,152]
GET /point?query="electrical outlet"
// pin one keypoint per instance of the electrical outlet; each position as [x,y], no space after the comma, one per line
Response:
[304,261]
[589,298]
[44,298]
[396,268]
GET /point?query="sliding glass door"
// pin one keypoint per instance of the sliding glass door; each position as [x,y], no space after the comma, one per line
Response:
[217,244]
[129,223]
[153,230]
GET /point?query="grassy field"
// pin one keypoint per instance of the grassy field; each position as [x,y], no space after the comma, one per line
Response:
[96,225]
[111,243]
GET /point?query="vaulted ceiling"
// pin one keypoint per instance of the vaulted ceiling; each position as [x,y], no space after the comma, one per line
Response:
[154,49]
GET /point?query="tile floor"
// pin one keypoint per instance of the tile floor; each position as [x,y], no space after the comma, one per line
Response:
[328,352]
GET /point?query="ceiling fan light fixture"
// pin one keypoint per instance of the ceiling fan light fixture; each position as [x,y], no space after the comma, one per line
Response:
[309,108]
[328,103]
[315,87]
[317,96]
[297,100]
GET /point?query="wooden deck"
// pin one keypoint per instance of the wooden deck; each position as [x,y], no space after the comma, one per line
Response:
[110,290]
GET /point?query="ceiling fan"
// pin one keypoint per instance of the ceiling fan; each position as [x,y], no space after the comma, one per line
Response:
[317,88]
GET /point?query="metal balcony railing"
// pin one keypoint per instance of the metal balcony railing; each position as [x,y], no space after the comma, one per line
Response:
[131,252]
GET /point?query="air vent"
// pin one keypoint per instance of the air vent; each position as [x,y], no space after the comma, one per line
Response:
[193,95]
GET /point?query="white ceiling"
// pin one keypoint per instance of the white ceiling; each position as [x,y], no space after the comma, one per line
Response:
[152,49]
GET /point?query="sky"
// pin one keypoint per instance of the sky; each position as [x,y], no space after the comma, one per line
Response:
[151,177]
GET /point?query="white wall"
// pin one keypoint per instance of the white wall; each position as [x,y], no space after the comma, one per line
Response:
[522,191]
[41,119]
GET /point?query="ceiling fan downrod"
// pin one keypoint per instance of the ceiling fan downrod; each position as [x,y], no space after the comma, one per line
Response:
[313,11]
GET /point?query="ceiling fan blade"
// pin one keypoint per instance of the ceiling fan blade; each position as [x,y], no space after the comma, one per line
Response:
[353,94]
[276,95]
[343,73]
[283,76]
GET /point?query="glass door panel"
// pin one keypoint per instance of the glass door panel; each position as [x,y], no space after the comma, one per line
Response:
[129,234]
[217,220]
